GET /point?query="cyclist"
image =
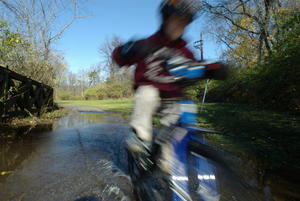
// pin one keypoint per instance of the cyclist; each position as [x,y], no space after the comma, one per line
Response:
[155,86]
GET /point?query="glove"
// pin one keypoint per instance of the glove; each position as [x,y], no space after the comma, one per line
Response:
[216,71]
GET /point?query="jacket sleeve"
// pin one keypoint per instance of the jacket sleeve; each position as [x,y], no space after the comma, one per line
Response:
[126,55]
[118,58]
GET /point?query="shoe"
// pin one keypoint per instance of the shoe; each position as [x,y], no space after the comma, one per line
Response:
[136,145]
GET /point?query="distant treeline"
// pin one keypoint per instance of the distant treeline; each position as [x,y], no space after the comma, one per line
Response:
[107,90]
[102,81]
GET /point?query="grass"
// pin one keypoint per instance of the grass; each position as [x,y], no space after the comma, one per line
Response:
[121,106]
[45,118]
[269,135]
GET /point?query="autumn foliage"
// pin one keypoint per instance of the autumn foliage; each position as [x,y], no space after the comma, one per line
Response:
[273,83]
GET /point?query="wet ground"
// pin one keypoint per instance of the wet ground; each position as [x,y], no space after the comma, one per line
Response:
[82,158]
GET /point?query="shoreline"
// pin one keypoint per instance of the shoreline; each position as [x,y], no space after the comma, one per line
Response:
[21,126]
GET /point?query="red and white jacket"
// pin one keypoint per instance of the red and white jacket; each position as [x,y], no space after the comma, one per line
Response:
[151,70]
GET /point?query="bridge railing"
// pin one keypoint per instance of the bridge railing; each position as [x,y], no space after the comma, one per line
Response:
[22,96]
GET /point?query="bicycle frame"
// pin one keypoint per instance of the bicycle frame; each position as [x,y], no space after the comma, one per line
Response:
[192,176]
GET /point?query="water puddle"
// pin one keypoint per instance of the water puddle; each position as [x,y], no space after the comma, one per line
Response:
[77,118]
[20,142]
[94,139]
[74,159]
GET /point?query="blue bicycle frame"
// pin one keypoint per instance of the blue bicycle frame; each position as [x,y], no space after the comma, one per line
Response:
[193,177]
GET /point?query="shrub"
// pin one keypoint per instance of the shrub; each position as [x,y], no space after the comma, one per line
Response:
[64,95]
[91,93]
[109,90]
[273,84]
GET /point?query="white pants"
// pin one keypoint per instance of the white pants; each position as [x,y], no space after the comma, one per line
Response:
[146,102]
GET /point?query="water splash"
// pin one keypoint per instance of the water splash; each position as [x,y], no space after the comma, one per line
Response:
[117,184]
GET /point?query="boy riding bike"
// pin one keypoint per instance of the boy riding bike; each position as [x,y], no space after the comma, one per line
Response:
[162,62]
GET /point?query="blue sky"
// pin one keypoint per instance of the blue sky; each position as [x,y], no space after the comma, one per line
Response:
[125,18]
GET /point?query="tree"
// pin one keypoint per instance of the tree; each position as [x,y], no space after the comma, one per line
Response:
[274,83]
[105,51]
[117,82]
[37,19]
[82,80]
[248,28]
[37,22]
[94,78]
[72,82]
[12,45]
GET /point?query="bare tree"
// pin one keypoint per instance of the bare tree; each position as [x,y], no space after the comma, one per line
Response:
[93,75]
[82,81]
[235,22]
[38,19]
[40,23]
[106,52]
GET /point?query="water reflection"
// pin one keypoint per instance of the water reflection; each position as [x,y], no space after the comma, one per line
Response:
[80,118]
[21,142]
[18,145]
[79,163]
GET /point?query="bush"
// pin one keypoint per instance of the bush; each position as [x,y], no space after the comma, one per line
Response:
[64,96]
[91,94]
[109,90]
[273,84]
[76,97]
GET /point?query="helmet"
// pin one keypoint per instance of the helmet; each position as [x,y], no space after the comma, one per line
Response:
[184,8]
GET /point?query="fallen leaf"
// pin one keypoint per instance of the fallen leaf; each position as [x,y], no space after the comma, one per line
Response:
[5,173]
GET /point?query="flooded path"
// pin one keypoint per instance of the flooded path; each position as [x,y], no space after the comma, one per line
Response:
[78,160]
[82,158]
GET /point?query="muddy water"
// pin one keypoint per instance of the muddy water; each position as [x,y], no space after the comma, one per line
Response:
[81,157]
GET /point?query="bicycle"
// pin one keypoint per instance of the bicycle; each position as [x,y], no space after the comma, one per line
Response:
[193,175]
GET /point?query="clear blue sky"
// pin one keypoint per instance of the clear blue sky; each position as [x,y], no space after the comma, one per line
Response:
[124,18]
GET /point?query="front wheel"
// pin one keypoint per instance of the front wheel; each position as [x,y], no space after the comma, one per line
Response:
[148,186]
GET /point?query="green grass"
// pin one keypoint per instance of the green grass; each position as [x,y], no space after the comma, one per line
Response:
[246,120]
[48,117]
[54,114]
[122,106]
[269,135]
